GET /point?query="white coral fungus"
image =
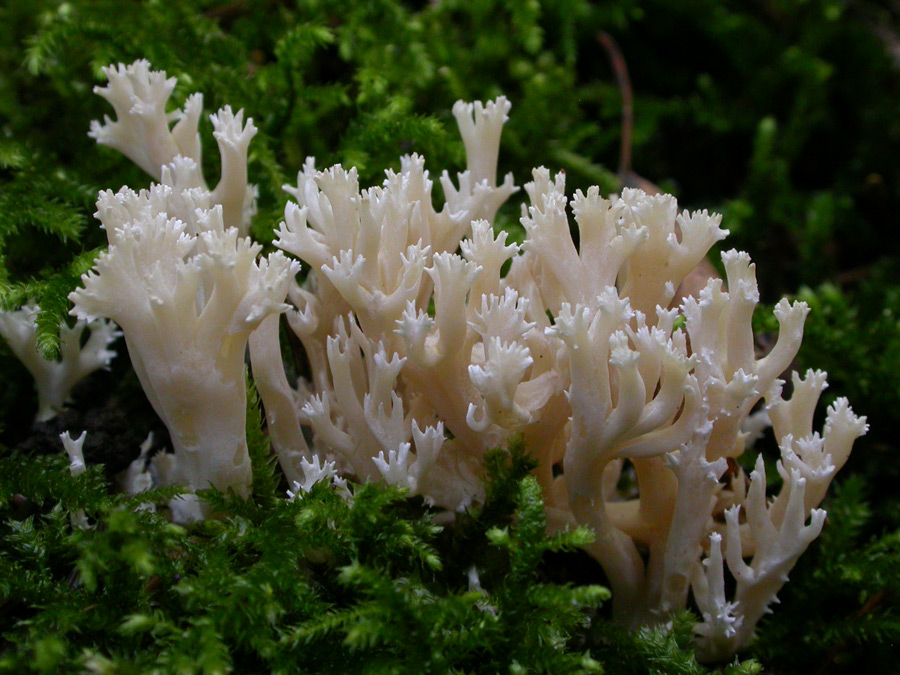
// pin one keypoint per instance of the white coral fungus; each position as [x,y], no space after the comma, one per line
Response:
[187,305]
[423,354]
[55,379]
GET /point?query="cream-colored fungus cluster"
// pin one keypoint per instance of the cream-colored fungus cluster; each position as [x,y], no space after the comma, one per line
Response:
[431,338]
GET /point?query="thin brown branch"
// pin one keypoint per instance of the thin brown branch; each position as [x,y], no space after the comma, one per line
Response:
[227,12]
[620,69]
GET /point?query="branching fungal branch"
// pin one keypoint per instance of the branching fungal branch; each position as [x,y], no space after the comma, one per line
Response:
[142,133]
[55,379]
[187,305]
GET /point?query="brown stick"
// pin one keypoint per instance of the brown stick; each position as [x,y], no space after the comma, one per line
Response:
[620,69]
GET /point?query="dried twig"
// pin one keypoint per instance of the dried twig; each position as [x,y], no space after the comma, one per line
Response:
[620,69]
